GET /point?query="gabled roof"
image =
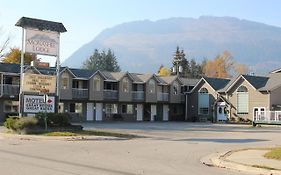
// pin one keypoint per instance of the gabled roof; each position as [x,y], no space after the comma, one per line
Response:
[40,24]
[256,81]
[170,79]
[276,71]
[189,81]
[273,82]
[136,78]
[217,83]
[82,73]
[10,68]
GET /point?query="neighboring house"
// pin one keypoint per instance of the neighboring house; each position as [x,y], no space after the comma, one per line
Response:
[240,98]
[103,96]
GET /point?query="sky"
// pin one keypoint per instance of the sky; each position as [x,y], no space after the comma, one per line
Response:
[85,19]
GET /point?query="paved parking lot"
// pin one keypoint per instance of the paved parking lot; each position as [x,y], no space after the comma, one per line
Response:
[165,148]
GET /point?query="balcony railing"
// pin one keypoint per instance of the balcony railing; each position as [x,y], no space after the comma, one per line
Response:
[79,93]
[267,117]
[138,95]
[162,96]
[110,94]
[11,89]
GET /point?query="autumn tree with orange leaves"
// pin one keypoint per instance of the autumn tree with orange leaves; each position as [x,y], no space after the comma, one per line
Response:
[14,57]
[223,66]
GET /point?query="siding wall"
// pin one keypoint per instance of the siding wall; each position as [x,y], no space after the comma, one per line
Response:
[66,94]
[96,95]
[256,99]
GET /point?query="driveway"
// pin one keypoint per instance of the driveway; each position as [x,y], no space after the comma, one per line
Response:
[165,148]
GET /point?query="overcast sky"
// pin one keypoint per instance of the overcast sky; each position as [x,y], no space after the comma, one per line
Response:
[85,19]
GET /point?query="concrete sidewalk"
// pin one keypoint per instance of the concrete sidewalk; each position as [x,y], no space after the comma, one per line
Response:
[246,160]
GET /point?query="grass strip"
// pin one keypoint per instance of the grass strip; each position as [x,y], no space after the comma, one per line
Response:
[275,153]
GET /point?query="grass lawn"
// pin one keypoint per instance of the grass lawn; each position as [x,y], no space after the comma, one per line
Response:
[87,133]
[275,153]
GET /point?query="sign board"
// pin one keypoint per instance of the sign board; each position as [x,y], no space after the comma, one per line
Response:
[39,83]
[35,104]
[42,42]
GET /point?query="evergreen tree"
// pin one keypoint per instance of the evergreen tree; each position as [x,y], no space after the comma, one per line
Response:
[105,61]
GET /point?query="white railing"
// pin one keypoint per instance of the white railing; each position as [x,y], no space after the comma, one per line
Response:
[138,95]
[267,116]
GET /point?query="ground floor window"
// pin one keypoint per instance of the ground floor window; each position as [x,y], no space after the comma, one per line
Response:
[111,108]
[11,106]
[61,107]
[127,109]
[204,111]
[75,107]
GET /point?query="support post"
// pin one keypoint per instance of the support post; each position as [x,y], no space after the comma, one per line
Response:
[21,75]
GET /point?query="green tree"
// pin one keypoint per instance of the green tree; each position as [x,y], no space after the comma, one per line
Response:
[195,69]
[105,61]
[14,56]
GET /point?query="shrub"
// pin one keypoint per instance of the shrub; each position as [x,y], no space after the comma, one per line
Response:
[19,124]
[54,119]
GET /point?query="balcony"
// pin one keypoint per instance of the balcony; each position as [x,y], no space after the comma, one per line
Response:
[11,89]
[138,95]
[161,96]
[79,93]
[110,94]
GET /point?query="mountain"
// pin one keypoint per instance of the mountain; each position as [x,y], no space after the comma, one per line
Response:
[142,46]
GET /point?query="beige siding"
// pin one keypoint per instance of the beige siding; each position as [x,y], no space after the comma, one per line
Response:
[66,94]
[275,97]
[125,96]
[96,95]
[256,99]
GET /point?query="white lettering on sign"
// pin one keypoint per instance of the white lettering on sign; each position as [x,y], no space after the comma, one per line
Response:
[35,104]
[42,42]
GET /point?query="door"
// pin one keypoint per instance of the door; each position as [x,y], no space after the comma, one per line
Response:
[98,111]
[221,111]
[259,113]
[153,113]
[139,112]
[90,111]
[165,112]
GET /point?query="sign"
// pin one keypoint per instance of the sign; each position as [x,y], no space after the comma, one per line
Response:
[42,42]
[35,104]
[39,83]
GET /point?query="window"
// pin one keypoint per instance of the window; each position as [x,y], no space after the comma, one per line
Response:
[151,86]
[61,107]
[176,88]
[97,84]
[75,107]
[111,108]
[203,101]
[125,85]
[127,109]
[242,100]
[11,106]
[64,81]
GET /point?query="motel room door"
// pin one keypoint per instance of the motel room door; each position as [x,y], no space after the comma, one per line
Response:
[221,111]
[98,111]
[90,111]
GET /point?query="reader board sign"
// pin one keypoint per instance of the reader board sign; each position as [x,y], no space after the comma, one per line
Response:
[42,42]
[39,83]
[35,104]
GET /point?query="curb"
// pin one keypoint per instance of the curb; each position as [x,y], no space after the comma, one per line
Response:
[60,138]
[219,160]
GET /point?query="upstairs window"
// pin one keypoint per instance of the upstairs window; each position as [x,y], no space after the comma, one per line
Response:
[125,85]
[242,100]
[64,81]
[151,86]
[175,88]
[97,83]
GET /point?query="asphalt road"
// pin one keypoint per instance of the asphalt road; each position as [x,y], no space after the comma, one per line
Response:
[165,148]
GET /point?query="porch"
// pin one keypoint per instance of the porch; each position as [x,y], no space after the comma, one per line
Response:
[267,117]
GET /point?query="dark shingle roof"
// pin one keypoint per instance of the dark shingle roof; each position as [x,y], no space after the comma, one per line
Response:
[10,68]
[40,24]
[256,81]
[82,73]
[217,83]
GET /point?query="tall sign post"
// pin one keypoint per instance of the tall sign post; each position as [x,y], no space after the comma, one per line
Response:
[43,38]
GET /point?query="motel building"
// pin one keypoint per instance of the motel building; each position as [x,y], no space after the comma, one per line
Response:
[95,96]
[122,96]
